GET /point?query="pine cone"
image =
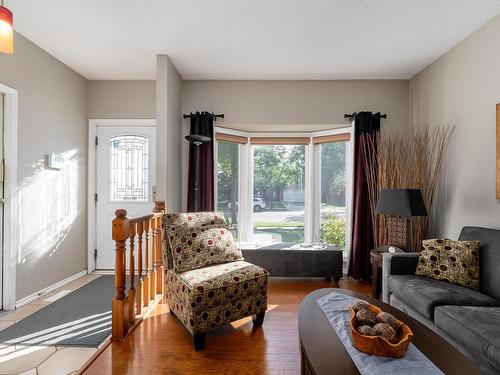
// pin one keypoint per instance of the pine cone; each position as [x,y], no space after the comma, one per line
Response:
[386,331]
[385,317]
[360,305]
[366,330]
[366,317]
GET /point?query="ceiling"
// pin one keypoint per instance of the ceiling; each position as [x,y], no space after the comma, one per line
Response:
[262,39]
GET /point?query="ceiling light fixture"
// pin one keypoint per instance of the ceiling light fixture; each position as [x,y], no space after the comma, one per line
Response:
[6,29]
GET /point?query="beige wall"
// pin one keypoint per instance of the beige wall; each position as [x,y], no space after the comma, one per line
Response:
[279,105]
[121,99]
[169,134]
[52,209]
[462,88]
[297,102]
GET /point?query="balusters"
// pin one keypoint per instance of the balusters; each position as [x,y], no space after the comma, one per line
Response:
[127,304]
[160,276]
[131,267]
[153,260]
[140,292]
[147,275]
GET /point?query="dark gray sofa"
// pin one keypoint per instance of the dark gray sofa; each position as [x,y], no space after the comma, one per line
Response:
[469,319]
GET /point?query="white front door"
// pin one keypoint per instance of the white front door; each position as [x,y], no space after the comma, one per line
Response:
[126,158]
[2,174]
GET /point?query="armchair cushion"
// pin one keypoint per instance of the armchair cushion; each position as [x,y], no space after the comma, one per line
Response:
[207,297]
[199,246]
[190,219]
[194,218]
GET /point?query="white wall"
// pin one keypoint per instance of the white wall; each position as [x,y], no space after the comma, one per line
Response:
[52,118]
[168,134]
[462,88]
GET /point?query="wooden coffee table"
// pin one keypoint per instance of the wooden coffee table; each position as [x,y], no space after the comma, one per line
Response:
[322,352]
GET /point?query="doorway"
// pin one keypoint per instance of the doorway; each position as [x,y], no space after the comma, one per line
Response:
[125,176]
[2,199]
[9,223]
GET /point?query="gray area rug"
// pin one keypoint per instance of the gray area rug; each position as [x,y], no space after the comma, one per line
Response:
[81,318]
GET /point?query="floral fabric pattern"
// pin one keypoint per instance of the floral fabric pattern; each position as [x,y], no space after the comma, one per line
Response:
[211,296]
[454,261]
[194,219]
[199,246]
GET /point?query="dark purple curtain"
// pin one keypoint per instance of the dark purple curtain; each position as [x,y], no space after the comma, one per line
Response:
[201,165]
[366,125]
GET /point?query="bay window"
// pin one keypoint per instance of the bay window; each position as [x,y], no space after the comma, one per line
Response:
[292,188]
[279,184]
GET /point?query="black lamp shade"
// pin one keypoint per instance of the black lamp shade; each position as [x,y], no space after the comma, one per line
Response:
[401,202]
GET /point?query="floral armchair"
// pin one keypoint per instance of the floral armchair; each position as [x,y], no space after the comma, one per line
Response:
[208,283]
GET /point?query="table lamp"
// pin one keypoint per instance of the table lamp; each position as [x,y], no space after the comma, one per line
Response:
[400,205]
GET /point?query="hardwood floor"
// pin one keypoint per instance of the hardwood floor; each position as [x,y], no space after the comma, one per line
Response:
[161,345]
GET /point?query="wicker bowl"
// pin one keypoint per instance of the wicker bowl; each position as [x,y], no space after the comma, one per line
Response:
[377,344]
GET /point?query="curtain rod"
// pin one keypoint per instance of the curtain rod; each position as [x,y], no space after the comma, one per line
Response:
[221,115]
[352,115]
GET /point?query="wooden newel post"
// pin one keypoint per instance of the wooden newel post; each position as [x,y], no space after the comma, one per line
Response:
[119,307]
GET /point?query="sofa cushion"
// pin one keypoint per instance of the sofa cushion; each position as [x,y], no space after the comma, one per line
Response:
[476,328]
[489,257]
[199,246]
[453,261]
[423,294]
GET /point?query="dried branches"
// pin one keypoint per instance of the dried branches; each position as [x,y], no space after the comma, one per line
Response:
[405,160]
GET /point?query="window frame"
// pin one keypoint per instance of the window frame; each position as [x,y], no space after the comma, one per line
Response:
[312,194]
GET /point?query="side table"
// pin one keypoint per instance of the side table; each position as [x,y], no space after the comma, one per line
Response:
[376,256]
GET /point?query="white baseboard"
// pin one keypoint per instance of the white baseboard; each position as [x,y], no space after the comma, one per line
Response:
[50,288]
[104,272]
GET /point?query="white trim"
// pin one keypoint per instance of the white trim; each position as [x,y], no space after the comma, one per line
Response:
[11,225]
[309,197]
[104,272]
[293,129]
[312,205]
[50,288]
[91,177]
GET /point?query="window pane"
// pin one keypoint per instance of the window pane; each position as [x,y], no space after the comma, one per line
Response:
[227,183]
[128,168]
[333,193]
[278,200]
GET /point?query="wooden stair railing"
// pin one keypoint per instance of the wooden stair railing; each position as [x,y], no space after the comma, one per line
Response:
[129,306]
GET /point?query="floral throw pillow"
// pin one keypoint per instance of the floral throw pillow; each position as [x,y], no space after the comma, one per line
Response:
[453,261]
[199,246]
[192,219]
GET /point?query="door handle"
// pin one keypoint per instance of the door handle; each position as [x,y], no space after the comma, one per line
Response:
[2,201]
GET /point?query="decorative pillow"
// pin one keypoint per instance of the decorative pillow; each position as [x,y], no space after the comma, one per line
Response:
[194,219]
[199,246]
[454,261]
